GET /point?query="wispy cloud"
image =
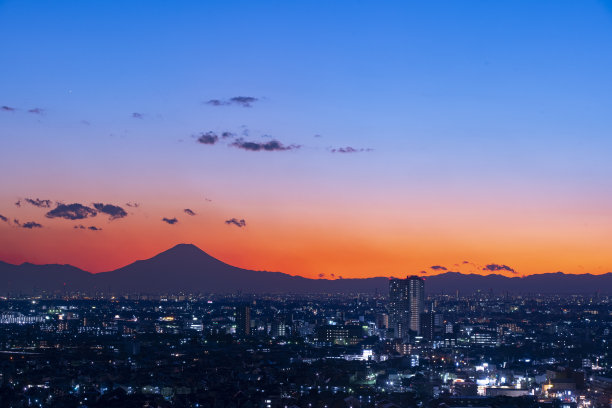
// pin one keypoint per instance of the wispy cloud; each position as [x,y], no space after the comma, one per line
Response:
[18,203]
[114,211]
[189,212]
[170,221]
[132,205]
[74,211]
[244,101]
[37,202]
[137,115]
[3,218]
[36,111]
[438,268]
[349,149]
[7,109]
[496,267]
[236,222]
[271,146]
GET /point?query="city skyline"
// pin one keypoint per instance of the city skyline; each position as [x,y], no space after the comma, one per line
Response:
[317,139]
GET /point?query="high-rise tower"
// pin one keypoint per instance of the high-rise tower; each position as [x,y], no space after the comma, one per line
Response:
[416,297]
[243,320]
[406,300]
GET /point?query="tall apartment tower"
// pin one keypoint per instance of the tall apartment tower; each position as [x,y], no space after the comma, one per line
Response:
[406,303]
[416,296]
[243,320]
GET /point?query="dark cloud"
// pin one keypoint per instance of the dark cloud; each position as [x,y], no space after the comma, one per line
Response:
[226,135]
[465,262]
[91,228]
[340,277]
[37,202]
[170,221]
[189,212]
[132,205]
[209,138]
[27,225]
[321,275]
[36,111]
[18,203]
[236,222]
[137,115]
[272,145]
[74,211]
[3,218]
[113,210]
[349,149]
[244,101]
[7,109]
[438,268]
[423,272]
[496,267]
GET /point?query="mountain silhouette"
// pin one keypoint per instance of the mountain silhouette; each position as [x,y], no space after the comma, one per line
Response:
[186,268]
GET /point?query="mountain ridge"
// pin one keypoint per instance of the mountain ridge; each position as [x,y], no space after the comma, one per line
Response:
[187,268]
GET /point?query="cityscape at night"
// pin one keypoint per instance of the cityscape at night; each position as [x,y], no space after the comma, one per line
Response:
[306,204]
[404,348]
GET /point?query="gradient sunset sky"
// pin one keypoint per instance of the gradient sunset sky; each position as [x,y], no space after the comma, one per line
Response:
[353,138]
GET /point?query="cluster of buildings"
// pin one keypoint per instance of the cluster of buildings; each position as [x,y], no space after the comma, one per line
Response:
[404,349]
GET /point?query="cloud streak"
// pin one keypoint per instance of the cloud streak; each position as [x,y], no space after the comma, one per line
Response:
[271,146]
[91,228]
[27,225]
[496,267]
[438,268]
[3,218]
[243,101]
[234,221]
[349,149]
[170,221]
[37,202]
[189,212]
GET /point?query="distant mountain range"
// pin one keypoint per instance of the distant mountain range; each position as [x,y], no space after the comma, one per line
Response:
[186,268]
